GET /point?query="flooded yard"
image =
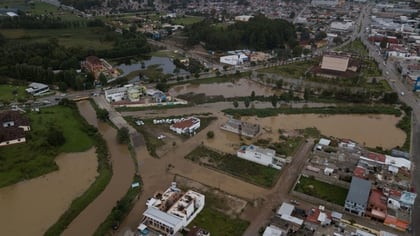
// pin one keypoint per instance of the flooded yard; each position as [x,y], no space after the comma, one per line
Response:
[31,207]
[370,130]
[240,88]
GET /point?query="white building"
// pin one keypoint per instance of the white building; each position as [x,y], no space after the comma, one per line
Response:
[186,126]
[171,211]
[37,89]
[243,18]
[234,60]
[272,230]
[327,3]
[341,26]
[262,156]
[116,94]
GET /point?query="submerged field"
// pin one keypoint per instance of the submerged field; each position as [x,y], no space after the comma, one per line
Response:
[36,156]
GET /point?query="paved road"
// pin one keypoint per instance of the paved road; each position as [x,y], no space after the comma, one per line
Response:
[409,98]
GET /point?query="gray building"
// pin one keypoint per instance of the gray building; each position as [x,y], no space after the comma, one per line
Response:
[358,196]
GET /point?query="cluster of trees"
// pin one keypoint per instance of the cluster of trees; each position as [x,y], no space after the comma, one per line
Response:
[45,22]
[82,4]
[259,33]
[50,63]
[194,66]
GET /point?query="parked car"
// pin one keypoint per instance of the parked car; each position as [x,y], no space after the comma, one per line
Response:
[139,122]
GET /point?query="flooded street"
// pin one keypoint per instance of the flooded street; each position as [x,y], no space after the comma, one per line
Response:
[31,207]
[371,130]
[241,88]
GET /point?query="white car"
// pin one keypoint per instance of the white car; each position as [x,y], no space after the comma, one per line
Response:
[161,136]
[139,122]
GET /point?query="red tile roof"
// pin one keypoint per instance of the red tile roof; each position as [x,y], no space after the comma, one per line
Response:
[184,124]
[360,172]
[376,157]
[378,200]
[313,217]
[396,223]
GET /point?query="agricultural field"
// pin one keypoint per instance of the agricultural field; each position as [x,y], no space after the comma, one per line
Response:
[322,190]
[187,20]
[85,37]
[218,223]
[11,93]
[36,156]
[293,70]
[245,170]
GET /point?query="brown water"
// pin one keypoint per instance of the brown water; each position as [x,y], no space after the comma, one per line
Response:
[123,171]
[31,207]
[370,130]
[241,88]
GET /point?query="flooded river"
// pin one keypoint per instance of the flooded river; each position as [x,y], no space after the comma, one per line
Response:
[31,207]
[241,88]
[371,130]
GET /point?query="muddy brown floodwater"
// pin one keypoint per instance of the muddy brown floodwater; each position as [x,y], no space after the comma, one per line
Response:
[370,130]
[241,88]
[31,207]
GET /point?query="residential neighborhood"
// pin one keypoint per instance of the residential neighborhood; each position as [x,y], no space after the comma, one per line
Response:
[201,118]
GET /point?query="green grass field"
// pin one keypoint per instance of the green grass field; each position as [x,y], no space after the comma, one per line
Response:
[245,170]
[36,157]
[218,223]
[7,93]
[79,37]
[188,20]
[322,190]
[293,70]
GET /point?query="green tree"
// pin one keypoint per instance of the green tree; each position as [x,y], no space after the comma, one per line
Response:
[306,94]
[102,114]
[102,79]
[390,98]
[279,84]
[210,134]
[235,104]
[123,136]
[246,102]
[252,95]
[55,137]
[274,100]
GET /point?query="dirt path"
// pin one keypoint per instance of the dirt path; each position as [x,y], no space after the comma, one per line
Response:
[123,171]
[260,216]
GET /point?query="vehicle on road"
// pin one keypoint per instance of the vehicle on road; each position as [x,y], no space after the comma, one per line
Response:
[402,93]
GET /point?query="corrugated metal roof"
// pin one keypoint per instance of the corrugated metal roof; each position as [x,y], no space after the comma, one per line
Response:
[359,191]
[163,217]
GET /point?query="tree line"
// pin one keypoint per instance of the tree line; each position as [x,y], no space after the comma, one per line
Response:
[51,63]
[45,22]
[259,33]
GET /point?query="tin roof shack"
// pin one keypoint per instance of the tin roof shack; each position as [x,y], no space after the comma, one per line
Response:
[285,218]
[358,195]
[272,230]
